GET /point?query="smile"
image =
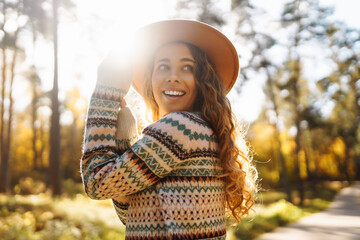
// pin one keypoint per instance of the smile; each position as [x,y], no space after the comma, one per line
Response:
[174,93]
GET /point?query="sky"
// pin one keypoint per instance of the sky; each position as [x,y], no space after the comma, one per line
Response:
[81,50]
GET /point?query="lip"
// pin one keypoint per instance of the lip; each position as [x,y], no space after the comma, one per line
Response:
[173,96]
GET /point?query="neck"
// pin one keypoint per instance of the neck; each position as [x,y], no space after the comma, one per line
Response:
[162,113]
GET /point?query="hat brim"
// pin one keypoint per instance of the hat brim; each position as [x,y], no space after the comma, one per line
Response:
[215,44]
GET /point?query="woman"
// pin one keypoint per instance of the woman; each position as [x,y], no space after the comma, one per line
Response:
[186,171]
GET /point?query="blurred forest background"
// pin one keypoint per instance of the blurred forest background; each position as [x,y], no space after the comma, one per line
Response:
[306,135]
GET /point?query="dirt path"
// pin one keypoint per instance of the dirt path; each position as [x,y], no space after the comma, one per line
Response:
[340,222]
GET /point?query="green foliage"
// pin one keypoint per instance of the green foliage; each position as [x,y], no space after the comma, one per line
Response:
[29,186]
[274,215]
[72,188]
[270,197]
[280,212]
[38,217]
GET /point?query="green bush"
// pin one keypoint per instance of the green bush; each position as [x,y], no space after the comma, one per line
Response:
[270,197]
[72,188]
[277,214]
[29,186]
[35,217]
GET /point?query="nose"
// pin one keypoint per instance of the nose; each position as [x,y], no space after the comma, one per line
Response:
[173,77]
[170,80]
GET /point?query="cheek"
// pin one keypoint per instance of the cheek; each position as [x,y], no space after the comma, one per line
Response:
[153,82]
[154,87]
[155,79]
[193,86]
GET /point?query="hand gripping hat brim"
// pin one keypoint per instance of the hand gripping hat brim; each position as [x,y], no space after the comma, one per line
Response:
[215,44]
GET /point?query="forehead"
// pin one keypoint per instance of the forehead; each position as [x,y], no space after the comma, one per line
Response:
[173,50]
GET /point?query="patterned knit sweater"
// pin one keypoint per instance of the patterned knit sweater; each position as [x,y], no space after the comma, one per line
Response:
[165,184]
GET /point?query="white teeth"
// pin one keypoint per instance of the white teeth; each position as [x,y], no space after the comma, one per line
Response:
[174,93]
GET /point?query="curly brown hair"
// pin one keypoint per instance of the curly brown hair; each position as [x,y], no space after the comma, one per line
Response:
[212,103]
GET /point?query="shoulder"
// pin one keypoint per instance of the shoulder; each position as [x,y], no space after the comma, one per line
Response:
[189,118]
[180,121]
[181,127]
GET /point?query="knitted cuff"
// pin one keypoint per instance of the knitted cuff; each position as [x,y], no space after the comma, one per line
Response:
[126,131]
[109,93]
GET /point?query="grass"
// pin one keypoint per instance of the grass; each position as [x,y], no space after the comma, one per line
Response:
[75,216]
[41,217]
[275,211]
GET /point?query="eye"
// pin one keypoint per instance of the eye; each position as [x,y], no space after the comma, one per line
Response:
[188,68]
[163,67]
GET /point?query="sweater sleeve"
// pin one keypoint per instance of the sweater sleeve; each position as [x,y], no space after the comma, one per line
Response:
[101,123]
[112,172]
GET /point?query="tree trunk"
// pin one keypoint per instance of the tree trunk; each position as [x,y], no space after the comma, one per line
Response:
[309,155]
[4,177]
[42,148]
[356,102]
[308,172]
[9,127]
[54,156]
[297,166]
[295,83]
[346,164]
[357,163]
[33,124]
[310,176]
[283,170]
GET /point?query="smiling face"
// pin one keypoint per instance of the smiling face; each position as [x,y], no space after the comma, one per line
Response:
[173,81]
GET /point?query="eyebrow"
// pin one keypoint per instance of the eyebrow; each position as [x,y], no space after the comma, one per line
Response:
[187,60]
[182,60]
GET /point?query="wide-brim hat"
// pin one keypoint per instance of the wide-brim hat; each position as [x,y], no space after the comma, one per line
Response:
[215,44]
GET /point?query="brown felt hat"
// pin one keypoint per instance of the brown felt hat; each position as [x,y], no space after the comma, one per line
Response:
[215,44]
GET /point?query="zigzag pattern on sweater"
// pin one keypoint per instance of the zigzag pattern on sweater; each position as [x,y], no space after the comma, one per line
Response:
[124,143]
[195,117]
[96,160]
[104,104]
[186,131]
[102,113]
[190,178]
[204,162]
[108,93]
[139,231]
[100,122]
[198,171]
[169,236]
[141,168]
[100,137]
[97,150]
[121,209]
[176,148]
[176,184]
[160,168]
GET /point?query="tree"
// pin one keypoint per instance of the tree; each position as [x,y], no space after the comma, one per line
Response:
[203,10]
[259,43]
[342,87]
[4,183]
[72,136]
[35,84]
[54,153]
[16,15]
[306,21]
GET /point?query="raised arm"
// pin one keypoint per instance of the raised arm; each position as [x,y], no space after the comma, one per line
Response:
[108,130]
[108,173]
[113,167]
